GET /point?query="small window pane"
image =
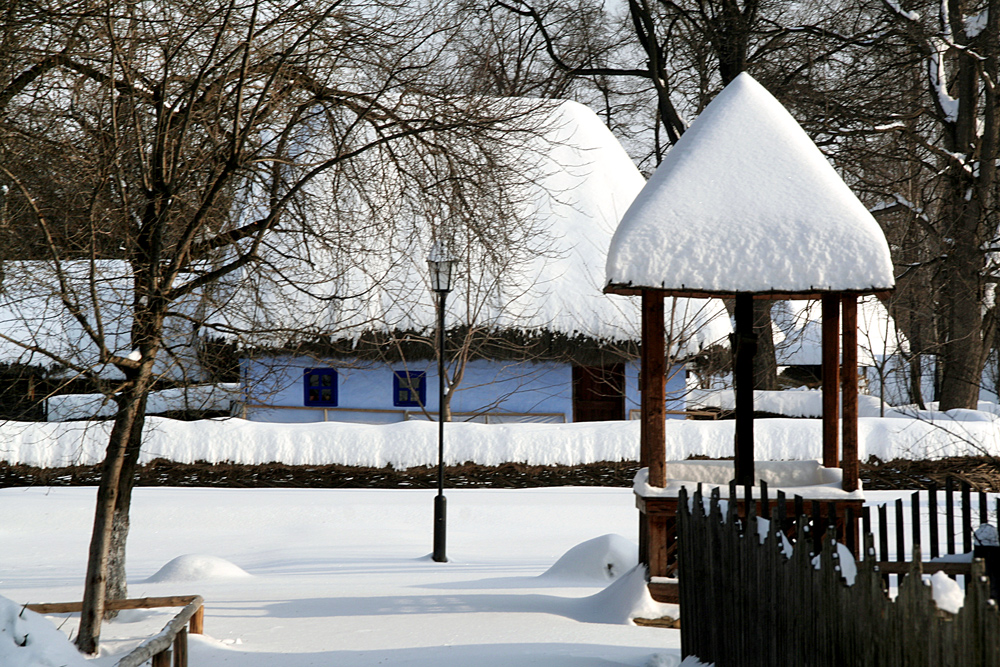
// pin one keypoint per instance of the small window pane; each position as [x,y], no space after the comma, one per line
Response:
[409,389]
[320,387]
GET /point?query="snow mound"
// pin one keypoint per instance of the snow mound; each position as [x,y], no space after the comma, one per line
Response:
[624,599]
[948,595]
[197,567]
[28,639]
[601,559]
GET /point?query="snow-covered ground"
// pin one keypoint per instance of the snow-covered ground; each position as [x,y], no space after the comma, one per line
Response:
[343,577]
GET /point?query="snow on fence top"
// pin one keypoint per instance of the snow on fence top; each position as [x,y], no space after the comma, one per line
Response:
[745,202]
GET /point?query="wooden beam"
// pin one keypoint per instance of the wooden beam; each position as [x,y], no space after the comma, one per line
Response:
[849,454]
[772,295]
[831,379]
[744,345]
[652,438]
[132,603]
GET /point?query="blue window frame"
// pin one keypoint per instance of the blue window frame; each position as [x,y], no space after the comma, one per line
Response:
[409,389]
[320,387]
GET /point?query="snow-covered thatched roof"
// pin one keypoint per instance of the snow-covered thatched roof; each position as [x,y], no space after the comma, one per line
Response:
[577,183]
[745,202]
[37,328]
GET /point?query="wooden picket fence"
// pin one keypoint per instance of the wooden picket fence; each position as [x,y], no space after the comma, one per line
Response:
[941,522]
[745,603]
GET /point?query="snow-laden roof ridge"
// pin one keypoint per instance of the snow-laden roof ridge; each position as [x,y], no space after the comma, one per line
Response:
[746,202]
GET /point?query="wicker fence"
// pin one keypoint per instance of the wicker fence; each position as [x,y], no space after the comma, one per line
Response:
[750,598]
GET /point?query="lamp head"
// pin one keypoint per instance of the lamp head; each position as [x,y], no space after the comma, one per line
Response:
[441,264]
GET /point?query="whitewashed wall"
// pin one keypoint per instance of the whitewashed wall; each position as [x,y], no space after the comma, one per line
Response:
[365,391]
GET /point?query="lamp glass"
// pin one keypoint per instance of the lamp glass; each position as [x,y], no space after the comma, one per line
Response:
[441,264]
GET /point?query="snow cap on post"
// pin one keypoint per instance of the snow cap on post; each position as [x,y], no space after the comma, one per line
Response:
[746,202]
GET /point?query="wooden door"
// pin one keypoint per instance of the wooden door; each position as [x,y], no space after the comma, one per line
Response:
[598,393]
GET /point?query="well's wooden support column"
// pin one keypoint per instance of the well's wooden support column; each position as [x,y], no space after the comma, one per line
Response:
[850,373]
[652,438]
[831,379]
[652,434]
[744,346]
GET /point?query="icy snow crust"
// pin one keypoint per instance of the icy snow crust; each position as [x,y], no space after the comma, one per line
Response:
[414,443]
[745,202]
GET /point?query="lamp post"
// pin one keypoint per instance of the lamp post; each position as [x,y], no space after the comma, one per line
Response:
[441,264]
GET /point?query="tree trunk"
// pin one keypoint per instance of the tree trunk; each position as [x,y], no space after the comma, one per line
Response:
[117,587]
[95,585]
[765,365]
[962,349]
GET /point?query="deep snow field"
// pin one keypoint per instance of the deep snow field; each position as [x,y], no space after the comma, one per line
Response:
[296,577]
[343,577]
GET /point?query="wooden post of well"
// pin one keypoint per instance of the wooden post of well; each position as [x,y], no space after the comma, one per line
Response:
[652,438]
[744,345]
[850,434]
[831,379]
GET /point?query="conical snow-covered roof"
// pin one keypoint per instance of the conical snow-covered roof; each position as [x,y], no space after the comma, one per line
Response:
[746,202]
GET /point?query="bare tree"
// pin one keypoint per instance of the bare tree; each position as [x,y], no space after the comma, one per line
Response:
[192,134]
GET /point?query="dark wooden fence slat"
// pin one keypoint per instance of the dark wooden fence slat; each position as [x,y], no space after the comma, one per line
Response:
[883,534]
[915,517]
[949,502]
[900,532]
[932,517]
[966,517]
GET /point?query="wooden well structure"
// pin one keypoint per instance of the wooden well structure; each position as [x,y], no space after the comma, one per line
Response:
[704,227]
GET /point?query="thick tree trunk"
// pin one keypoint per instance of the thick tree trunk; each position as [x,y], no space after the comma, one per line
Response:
[765,365]
[962,349]
[117,587]
[95,585]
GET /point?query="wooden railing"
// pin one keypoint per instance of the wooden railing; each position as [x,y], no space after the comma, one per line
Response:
[158,647]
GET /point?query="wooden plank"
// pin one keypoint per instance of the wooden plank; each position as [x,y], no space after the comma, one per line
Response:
[115,605]
[652,434]
[830,349]
[668,592]
[160,644]
[767,295]
[928,567]
[197,624]
[849,453]
[932,517]
[181,648]
[744,345]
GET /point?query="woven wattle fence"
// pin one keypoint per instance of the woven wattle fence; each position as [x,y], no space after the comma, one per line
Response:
[749,598]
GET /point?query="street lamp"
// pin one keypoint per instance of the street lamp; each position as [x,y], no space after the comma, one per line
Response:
[441,264]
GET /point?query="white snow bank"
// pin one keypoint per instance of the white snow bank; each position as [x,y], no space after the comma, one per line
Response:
[197,567]
[623,600]
[28,639]
[601,559]
[414,443]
